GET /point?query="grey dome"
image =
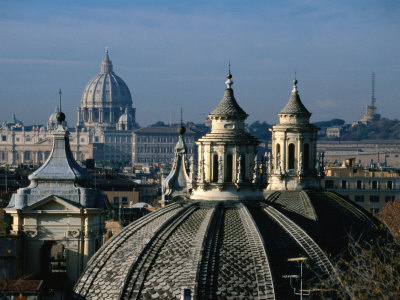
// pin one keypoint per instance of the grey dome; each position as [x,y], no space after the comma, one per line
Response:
[223,249]
[106,89]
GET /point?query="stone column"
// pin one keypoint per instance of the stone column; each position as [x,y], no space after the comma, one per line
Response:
[284,153]
[101,117]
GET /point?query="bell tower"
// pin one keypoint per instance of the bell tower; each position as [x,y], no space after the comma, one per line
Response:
[227,166]
[294,148]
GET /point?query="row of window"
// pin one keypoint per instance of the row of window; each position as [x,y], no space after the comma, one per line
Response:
[163,139]
[118,139]
[159,150]
[359,185]
[124,200]
[372,198]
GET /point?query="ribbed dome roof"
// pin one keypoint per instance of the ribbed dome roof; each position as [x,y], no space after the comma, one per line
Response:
[106,89]
[224,249]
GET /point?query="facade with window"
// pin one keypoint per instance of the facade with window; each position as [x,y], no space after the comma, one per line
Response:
[370,188]
[155,144]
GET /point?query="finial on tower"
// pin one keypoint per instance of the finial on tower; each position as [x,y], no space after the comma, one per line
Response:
[229,82]
[181,128]
[295,83]
[60,115]
[107,50]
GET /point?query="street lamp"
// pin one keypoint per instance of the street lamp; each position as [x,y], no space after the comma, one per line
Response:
[300,292]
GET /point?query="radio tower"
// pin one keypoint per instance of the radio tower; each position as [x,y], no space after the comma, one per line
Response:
[373,99]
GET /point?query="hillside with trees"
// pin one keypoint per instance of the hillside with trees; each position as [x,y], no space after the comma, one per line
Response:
[384,129]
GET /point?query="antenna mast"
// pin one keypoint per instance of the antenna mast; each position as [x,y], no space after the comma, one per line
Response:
[59,91]
[373,99]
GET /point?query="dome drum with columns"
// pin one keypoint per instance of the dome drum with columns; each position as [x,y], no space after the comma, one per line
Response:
[105,99]
[222,236]
[227,155]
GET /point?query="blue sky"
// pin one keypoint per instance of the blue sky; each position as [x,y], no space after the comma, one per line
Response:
[175,54]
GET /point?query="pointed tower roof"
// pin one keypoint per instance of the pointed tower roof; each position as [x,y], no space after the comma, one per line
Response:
[228,106]
[60,165]
[106,65]
[60,175]
[295,106]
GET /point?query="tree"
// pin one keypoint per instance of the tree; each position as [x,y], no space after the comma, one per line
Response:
[260,130]
[367,270]
[390,216]
[333,122]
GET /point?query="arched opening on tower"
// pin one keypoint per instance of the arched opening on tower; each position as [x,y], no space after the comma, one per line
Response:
[291,157]
[306,157]
[215,168]
[229,168]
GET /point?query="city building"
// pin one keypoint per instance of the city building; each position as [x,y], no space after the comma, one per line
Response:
[370,188]
[333,132]
[58,216]
[155,144]
[221,234]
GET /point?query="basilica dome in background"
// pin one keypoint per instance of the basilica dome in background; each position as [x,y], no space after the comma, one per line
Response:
[105,98]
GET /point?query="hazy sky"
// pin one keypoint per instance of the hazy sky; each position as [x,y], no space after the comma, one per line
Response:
[174,54]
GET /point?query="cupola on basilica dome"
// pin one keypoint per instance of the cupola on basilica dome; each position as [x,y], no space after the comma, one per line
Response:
[105,98]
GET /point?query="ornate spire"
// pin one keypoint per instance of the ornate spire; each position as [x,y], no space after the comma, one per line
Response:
[178,180]
[229,82]
[106,65]
[228,105]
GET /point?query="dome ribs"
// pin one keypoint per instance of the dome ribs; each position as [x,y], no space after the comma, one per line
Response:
[265,283]
[359,212]
[207,275]
[319,260]
[236,269]
[98,266]
[145,264]
[199,250]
